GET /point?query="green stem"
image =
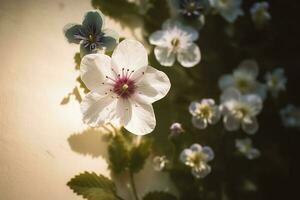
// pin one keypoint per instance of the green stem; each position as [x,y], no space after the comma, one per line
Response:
[132,183]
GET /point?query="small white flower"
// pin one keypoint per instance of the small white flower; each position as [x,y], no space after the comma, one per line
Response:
[160,162]
[123,87]
[176,41]
[290,116]
[197,158]
[204,113]
[230,10]
[245,147]
[276,81]
[176,129]
[240,110]
[244,78]
[259,13]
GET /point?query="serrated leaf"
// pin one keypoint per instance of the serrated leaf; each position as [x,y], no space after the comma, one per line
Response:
[93,187]
[138,155]
[159,195]
[118,154]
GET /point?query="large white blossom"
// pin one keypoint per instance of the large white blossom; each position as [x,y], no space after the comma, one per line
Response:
[204,113]
[176,41]
[230,10]
[123,87]
[244,78]
[240,110]
[197,157]
[276,81]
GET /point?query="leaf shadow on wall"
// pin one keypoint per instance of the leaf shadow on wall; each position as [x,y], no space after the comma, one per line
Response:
[90,142]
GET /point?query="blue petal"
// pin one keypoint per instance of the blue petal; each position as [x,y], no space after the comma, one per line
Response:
[110,39]
[72,31]
[93,21]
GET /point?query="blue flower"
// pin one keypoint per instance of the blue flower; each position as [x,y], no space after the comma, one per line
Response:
[191,8]
[90,35]
[190,12]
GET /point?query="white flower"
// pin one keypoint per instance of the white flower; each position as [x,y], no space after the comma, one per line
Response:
[245,147]
[204,112]
[176,41]
[290,116]
[230,10]
[123,87]
[259,13]
[197,158]
[176,129]
[244,79]
[160,162]
[276,81]
[240,110]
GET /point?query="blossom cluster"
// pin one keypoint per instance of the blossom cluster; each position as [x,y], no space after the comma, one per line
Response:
[122,85]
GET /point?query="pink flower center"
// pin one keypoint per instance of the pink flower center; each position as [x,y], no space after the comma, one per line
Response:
[123,85]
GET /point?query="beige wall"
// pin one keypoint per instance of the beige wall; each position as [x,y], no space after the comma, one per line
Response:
[36,159]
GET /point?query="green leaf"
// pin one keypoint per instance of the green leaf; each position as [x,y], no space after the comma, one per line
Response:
[93,187]
[118,154]
[138,155]
[159,195]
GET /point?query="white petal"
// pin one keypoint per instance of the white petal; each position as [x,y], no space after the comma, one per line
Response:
[249,67]
[193,107]
[164,56]
[209,102]
[93,70]
[154,85]
[196,148]
[124,110]
[216,115]
[231,123]
[250,125]
[199,122]
[209,152]
[130,54]
[255,101]
[201,172]
[226,81]
[190,56]
[170,23]
[191,33]
[142,119]
[98,110]
[230,94]
[185,154]
[157,38]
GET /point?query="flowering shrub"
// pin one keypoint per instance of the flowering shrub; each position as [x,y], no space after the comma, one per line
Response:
[179,95]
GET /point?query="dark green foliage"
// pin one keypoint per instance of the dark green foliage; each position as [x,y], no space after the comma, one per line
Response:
[138,155]
[118,151]
[158,195]
[93,187]
[124,154]
[112,9]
